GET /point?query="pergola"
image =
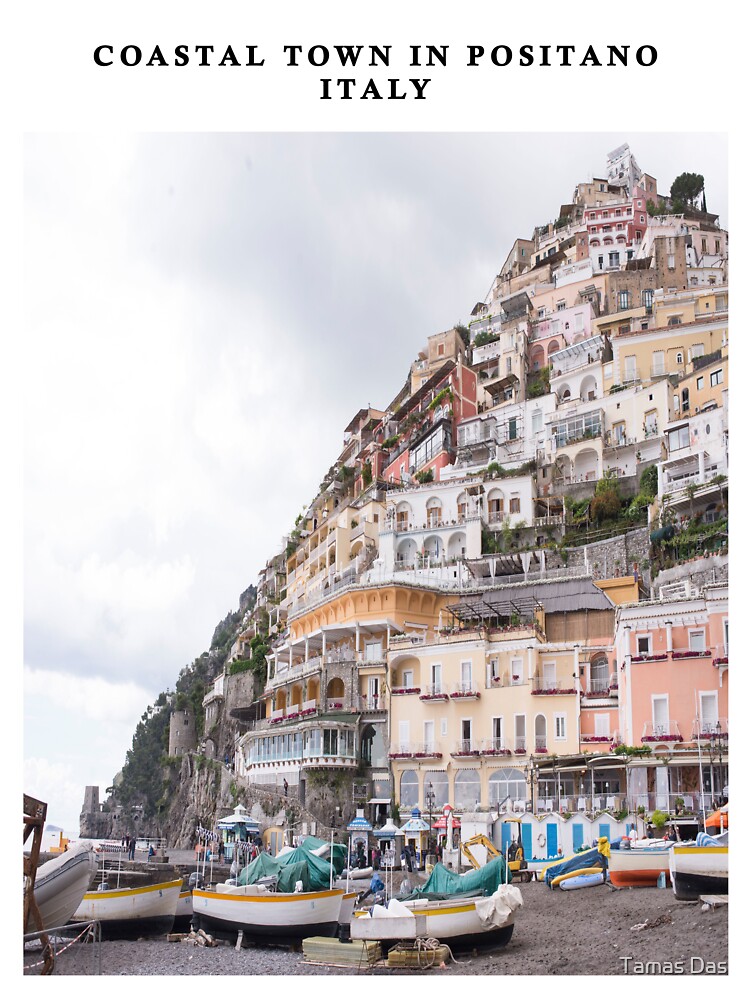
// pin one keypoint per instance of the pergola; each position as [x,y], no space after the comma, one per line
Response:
[494,605]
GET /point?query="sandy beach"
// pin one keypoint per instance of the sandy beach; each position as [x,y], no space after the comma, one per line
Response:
[589,932]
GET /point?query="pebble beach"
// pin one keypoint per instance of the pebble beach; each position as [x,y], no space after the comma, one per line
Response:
[589,932]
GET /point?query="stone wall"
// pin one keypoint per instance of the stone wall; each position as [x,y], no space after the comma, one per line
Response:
[613,556]
[698,572]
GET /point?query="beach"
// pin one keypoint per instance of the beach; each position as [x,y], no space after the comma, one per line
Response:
[588,932]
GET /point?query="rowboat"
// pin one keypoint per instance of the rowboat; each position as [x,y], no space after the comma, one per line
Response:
[261,913]
[697,869]
[149,909]
[184,913]
[460,921]
[60,884]
[639,866]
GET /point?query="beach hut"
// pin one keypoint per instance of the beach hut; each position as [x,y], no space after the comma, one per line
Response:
[236,829]
[415,832]
[359,830]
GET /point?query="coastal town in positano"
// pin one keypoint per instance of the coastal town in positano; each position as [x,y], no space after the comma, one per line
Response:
[487,664]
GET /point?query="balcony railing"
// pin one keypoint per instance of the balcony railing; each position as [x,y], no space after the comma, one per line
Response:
[370,704]
[467,748]
[519,745]
[710,729]
[433,692]
[547,685]
[466,689]
[508,679]
[540,744]
[409,750]
[661,732]
[495,746]
[601,738]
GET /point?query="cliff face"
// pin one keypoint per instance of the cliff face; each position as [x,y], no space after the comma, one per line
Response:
[201,792]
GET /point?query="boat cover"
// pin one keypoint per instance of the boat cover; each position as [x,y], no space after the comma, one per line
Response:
[586,859]
[296,866]
[495,910]
[443,882]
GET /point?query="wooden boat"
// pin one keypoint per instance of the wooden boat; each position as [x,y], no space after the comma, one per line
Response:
[562,880]
[260,913]
[61,883]
[700,869]
[149,909]
[639,866]
[183,915]
[459,921]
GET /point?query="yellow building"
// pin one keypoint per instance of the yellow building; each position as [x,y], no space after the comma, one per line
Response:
[476,710]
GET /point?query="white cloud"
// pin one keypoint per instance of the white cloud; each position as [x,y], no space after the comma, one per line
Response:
[93,698]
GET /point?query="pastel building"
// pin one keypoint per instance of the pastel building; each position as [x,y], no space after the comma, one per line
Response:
[324,705]
[673,658]
[475,708]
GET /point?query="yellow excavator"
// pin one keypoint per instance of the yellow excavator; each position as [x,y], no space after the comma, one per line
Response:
[517,864]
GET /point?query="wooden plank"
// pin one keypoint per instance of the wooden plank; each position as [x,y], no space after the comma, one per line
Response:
[718,900]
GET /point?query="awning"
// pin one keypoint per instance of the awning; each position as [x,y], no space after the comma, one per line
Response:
[442,824]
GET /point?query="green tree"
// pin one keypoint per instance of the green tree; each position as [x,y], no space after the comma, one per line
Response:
[686,189]
[650,481]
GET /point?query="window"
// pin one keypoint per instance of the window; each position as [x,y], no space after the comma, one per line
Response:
[536,421]
[599,673]
[466,676]
[466,730]
[657,363]
[441,349]
[443,727]
[618,433]
[614,259]
[717,377]
[699,382]
[512,428]
[643,645]
[670,261]
[560,305]
[601,725]
[630,371]
[408,679]
[678,358]
[697,640]
[686,400]
[516,671]
[549,675]
[696,351]
[660,714]
[674,321]
[560,725]
[704,245]
[515,504]
[436,672]
[709,702]
[679,438]
[623,298]
[497,733]
[429,734]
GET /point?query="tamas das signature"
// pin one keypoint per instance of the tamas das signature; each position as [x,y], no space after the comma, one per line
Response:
[694,966]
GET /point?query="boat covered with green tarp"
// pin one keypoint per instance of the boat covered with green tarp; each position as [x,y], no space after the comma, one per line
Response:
[444,883]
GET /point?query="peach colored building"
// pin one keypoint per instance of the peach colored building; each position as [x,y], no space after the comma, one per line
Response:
[673,658]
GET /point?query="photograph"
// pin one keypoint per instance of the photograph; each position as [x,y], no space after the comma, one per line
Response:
[374,569]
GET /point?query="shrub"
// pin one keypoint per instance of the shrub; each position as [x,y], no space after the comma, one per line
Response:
[649,482]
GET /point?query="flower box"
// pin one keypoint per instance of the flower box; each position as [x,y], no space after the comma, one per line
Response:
[719,661]
[713,736]
[399,756]
[308,711]
[497,753]
[405,690]
[521,751]
[541,750]
[465,694]
[335,704]
[554,691]
[433,697]
[596,739]
[496,680]
[669,738]
[648,657]
[428,753]
[688,654]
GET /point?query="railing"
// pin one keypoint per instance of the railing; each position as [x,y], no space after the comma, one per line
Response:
[691,801]
[370,704]
[466,748]
[549,520]
[357,531]
[540,744]
[494,745]
[520,744]
[433,690]
[414,750]
[409,639]
[508,679]
[465,687]
[713,729]
[658,370]
[661,732]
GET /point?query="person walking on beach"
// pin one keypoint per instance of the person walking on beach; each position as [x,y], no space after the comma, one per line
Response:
[131,848]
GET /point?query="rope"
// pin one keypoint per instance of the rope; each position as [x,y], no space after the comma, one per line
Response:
[87,932]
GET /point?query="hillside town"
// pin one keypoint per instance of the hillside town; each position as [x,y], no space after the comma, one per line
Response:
[509,594]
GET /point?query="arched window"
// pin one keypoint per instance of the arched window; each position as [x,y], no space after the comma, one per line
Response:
[467,789]
[434,512]
[540,734]
[435,791]
[599,673]
[409,789]
[507,783]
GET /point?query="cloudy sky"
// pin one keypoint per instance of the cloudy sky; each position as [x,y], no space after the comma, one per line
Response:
[206,314]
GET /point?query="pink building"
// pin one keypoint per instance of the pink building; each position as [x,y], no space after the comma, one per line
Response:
[673,667]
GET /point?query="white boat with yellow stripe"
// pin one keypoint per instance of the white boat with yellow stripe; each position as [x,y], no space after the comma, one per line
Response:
[149,909]
[472,921]
[260,912]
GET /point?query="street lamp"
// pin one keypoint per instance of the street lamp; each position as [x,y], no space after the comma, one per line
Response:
[429,802]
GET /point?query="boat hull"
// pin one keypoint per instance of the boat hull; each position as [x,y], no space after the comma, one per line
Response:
[633,868]
[132,912]
[453,921]
[275,915]
[184,913]
[60,885]
[698,871]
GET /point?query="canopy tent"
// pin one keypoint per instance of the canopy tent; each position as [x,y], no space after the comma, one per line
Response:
[359,825]
[718,821]
[388,831]
[239,818]
[415,824]
[442,823]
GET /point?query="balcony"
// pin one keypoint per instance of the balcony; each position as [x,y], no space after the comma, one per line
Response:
[661,732]
[508,679]
[434,692]
[465,690]
[601,740]
[601,689]
[370,704]
[707,730]
[690,654]
[466,748]
[495,747]
[519,745]
[405,690]
[407,751]
[541,685]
